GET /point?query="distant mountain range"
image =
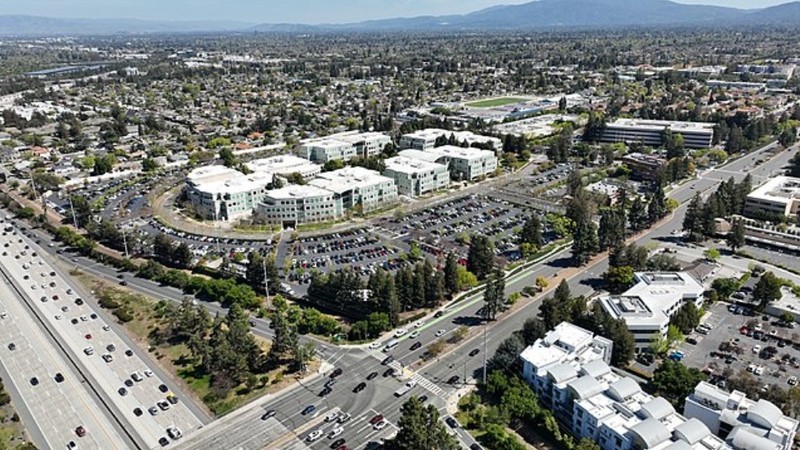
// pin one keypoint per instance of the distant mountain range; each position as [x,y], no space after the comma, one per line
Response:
[536,15]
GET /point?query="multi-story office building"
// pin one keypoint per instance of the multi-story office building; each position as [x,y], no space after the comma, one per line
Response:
[220,193]
[651,132]
[415,177]
[366,144]
[648,306]
[779,196]
[569,371]
[298,204]
[644,167]
[322,151]
[745,424]
[426,139]
[462,163]
[285,166]
[359,187]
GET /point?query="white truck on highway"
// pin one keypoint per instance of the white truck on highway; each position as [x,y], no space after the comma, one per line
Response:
[407,387]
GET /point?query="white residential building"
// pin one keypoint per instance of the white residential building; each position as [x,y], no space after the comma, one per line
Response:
[322,151]
[569,371]
[650,132]
[285,165]
[779,196]
[220,193]
[299,204]
[648,306]
[415,177]
[359,187]
[426,139]
[745,424]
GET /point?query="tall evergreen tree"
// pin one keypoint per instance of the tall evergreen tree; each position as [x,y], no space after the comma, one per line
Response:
[657,208]
[638,216]
[451,274]
[531,232]
[480,257]
[419,428]
[736,237]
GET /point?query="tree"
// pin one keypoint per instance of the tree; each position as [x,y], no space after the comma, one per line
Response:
[419,427]
[768,289]
[182,257]
[687,318]
[451,274]
[81,209]
[674,335]
[638,216]
[657,208]
[531,232]
[611,231]
[507,354]
[585,243]
[532,330]
[711,254]
[480,257]
[494,295]
[149,165]
[736,237]
[619,278]
[675,381]
[162,248]
[691,221]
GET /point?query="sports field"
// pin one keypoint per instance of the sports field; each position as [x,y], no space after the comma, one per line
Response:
[492,102]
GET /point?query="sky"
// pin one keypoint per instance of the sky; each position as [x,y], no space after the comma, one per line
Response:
[277,11]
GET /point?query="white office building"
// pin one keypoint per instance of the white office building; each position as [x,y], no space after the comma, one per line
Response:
[743,423]
[220,193]
[344,146]
[779,196]
[366,144]
[648,306]
[415,177]
[569,371]
[650,132]
[426,139]
[358,187]
[285,166]
[462,163]
[299,204]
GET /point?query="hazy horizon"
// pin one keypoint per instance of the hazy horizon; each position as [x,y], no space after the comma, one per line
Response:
[271,11]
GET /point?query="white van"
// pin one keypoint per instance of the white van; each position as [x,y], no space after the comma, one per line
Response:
[390,345]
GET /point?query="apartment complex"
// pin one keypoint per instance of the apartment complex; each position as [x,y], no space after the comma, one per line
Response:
[644,167]
[285,166]
[359,187]
[648,306]
[298,204]
[344,146]
[415,177]
[780,196]
[221,193]
[745,424]
[426,139]
[650,132]
[569,371]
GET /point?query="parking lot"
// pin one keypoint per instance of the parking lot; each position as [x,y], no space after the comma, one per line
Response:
[746,342]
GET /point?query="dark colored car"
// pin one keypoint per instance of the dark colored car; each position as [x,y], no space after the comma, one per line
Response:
[336,373]
[388,360]
[452,422]
[438,314]
[475,447]
[359,387]
[376,419]
[453,380]
[416,346]
[389,372]
[163,441]
[268,414]
[372,375]
[325,391]
[34,381]
[308,410]
[163,388]
[80,431]
[474,352]
[423,398]
[59,378]
[337,443]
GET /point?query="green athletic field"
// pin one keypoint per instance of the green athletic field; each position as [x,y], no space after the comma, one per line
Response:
[492,102]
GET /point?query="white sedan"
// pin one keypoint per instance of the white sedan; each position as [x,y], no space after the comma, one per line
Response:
[419,323]
[400,332]
[314,435]
[440,333]
[374,345]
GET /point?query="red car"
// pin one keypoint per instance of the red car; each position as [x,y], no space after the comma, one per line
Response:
[88,336]
[375,419]
[80,431]
[342,447]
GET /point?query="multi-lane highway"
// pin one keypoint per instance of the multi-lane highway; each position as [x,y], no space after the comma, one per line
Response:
[133,392]
[289,427]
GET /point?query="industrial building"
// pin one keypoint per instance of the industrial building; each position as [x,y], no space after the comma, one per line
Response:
[416,177]
[649,305]
[651,132]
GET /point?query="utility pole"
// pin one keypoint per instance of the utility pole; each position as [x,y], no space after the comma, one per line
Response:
[266,281]
[125,242]
[72,209]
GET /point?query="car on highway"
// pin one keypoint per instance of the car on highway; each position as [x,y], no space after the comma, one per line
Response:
[308,410]
[325,391]
[336,372]
[268,414]
[414,334]
[415,346]
[452,422]
[372,375]
[337,443]
[387,360]
[344,417]
[374,345]
[314,435]
[438,314]
[330,382]
[400,332]
[80,431]
[440,333]
[359,387]
[389,372]
[474,352]
[380,425]
[335,432]
[419,323]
